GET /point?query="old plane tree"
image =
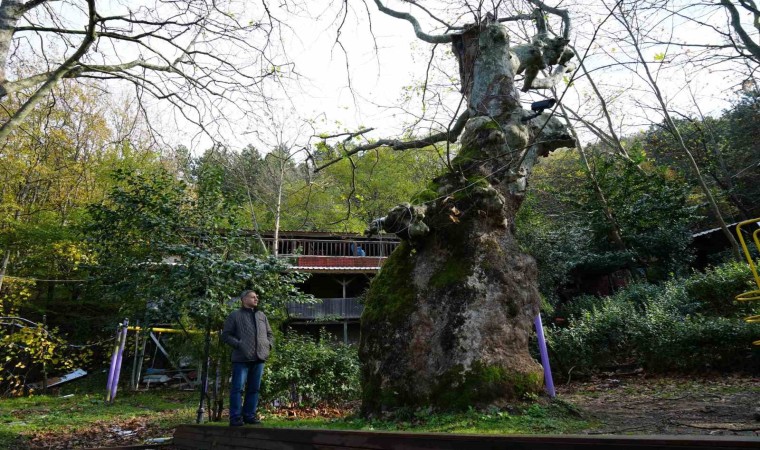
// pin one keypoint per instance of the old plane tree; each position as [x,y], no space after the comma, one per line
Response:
[447,321]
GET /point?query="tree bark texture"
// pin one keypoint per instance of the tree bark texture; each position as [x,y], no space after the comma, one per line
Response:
[10,13]
[447,321]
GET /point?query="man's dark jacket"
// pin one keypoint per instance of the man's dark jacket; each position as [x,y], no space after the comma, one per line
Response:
[248,332]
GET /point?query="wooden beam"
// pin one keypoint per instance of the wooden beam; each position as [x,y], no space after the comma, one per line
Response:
[196,437]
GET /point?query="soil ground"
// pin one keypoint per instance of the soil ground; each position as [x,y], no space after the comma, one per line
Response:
[716,405]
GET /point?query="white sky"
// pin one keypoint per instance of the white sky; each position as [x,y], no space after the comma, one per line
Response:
[319,99]
[377,78]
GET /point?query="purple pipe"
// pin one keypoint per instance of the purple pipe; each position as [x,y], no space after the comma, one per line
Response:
[117,369]
[544,356]
[113,363]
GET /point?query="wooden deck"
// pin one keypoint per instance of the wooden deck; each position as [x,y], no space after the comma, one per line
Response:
[197,437]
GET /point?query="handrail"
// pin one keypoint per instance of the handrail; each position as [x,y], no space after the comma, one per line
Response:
[288,247]
[342,308]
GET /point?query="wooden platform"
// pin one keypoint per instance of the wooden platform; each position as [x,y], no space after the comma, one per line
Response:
[192,437]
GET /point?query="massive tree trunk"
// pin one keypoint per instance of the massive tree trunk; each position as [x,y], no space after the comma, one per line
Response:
[447,321]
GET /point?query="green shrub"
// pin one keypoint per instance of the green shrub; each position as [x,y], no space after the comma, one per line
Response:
[696,343]
[682,324]
[716,288]
[308,372]
[598,337]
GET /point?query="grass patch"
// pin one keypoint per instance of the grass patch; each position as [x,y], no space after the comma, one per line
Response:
[25,418]
[42,420]
[551,418]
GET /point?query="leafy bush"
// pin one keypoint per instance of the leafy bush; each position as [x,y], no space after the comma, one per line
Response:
[23,352]
[598,337]
[682,324]
[696,342]
[715,289]
[309,372]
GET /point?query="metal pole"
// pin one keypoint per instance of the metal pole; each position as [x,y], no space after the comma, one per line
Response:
[132,381]
[113,363]
[141,359]
[168,358]
[544,356]
[117,369]
[204,373]
[44,355]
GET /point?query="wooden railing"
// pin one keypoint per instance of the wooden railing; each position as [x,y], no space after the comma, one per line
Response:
[330,247]
[327,308]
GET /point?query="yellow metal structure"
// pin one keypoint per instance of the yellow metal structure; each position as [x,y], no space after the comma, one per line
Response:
[755,294]
[166,330]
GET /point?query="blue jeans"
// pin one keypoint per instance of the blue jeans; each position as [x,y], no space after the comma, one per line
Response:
[248,373]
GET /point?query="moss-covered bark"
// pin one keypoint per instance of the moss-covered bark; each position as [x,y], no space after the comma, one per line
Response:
[447,320]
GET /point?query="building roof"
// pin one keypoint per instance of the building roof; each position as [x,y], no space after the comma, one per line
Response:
[323,269]
[338,264]
[713,230]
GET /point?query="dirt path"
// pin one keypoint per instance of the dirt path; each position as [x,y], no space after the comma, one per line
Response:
[641,405]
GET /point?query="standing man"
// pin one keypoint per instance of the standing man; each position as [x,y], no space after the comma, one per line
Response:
[247,331]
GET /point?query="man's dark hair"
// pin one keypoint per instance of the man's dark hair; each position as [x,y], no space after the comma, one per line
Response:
[246,292]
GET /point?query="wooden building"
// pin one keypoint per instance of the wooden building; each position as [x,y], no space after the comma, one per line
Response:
[339,276]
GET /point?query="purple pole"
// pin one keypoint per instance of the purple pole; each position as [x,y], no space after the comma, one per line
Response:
[544,356]
[113,363]
[117,369]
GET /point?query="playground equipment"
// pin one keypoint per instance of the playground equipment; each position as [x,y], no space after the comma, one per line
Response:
[754,294]
[117,354]
[115,370]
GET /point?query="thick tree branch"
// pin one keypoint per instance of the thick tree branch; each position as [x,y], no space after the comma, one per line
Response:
[350,135]
[447,25]
[431,38]
[556,11]
[55,77]
[550,81]
[449,135]
[746,39]
[516,18]
[28,6]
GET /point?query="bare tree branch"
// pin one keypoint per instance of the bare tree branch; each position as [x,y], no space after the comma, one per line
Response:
[556,11]
[430,38]
[54,78]
[194,54]
[736,24]
[395,144]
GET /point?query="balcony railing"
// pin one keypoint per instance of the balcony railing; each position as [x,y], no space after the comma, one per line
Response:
[327,308]
[327,247]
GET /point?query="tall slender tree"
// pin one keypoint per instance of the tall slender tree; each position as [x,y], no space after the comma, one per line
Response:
[627,17]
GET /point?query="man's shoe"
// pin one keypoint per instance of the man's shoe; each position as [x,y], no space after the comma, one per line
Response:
[236,422]
[251,421]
